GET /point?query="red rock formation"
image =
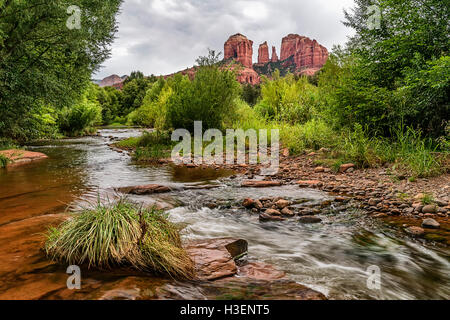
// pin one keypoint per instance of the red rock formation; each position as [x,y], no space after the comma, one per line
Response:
[239,48]
[263,53]
[112,81]
[308,54]
[247,75]
[274,55]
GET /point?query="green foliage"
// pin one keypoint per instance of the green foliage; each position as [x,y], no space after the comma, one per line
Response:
[149,147]
[314,134]
[6,144]
[396,73]
[178,102]
[209,98]
[133,93]
[152,113]
[251,93]
[426,90]
[43,63]
[287,99]
[121,234]
[109,99]
[427,199]
[4,161]
[81,118]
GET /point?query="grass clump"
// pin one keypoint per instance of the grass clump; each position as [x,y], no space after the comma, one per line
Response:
[4,161]
[121,234]
[151,146]
[427,199]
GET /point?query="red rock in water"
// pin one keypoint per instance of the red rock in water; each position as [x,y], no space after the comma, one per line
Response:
[19,157]
[239,48]
[263,53]
[274,55]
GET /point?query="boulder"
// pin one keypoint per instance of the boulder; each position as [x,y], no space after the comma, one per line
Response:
[260,271]
[343,168]
[20,157]
[281,204]
[287,212]
[214,259]
[248,203]
[430,224]
[273,212]
[415,231]
[431,208]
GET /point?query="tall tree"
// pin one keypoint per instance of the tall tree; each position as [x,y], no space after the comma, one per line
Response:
[48,51]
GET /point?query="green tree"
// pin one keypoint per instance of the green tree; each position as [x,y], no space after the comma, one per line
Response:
[133,94]
[43,62]
[379,81]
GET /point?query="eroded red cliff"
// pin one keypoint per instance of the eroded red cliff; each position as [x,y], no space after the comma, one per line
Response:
[239,48]
[263,53]
[307,53]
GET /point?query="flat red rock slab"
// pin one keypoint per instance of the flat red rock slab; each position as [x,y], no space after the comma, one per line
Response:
[19,157]
[213,258]
[260,184]
[260,271]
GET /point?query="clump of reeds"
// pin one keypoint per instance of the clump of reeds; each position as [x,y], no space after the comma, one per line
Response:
[121,234]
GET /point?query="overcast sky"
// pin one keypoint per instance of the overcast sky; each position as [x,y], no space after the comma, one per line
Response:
[166,36]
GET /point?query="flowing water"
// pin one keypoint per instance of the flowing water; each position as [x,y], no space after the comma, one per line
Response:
[332,257]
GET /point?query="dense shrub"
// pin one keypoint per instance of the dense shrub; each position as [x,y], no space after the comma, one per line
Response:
[209,98]
[287,99]
[80,119]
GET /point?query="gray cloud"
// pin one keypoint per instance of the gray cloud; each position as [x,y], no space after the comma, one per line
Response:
[165,36]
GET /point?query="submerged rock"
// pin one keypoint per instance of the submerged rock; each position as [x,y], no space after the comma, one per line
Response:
[309,220]
[145,189]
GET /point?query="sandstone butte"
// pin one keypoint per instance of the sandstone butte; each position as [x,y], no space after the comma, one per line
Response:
[306,56]
[263,54]
[299,54]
